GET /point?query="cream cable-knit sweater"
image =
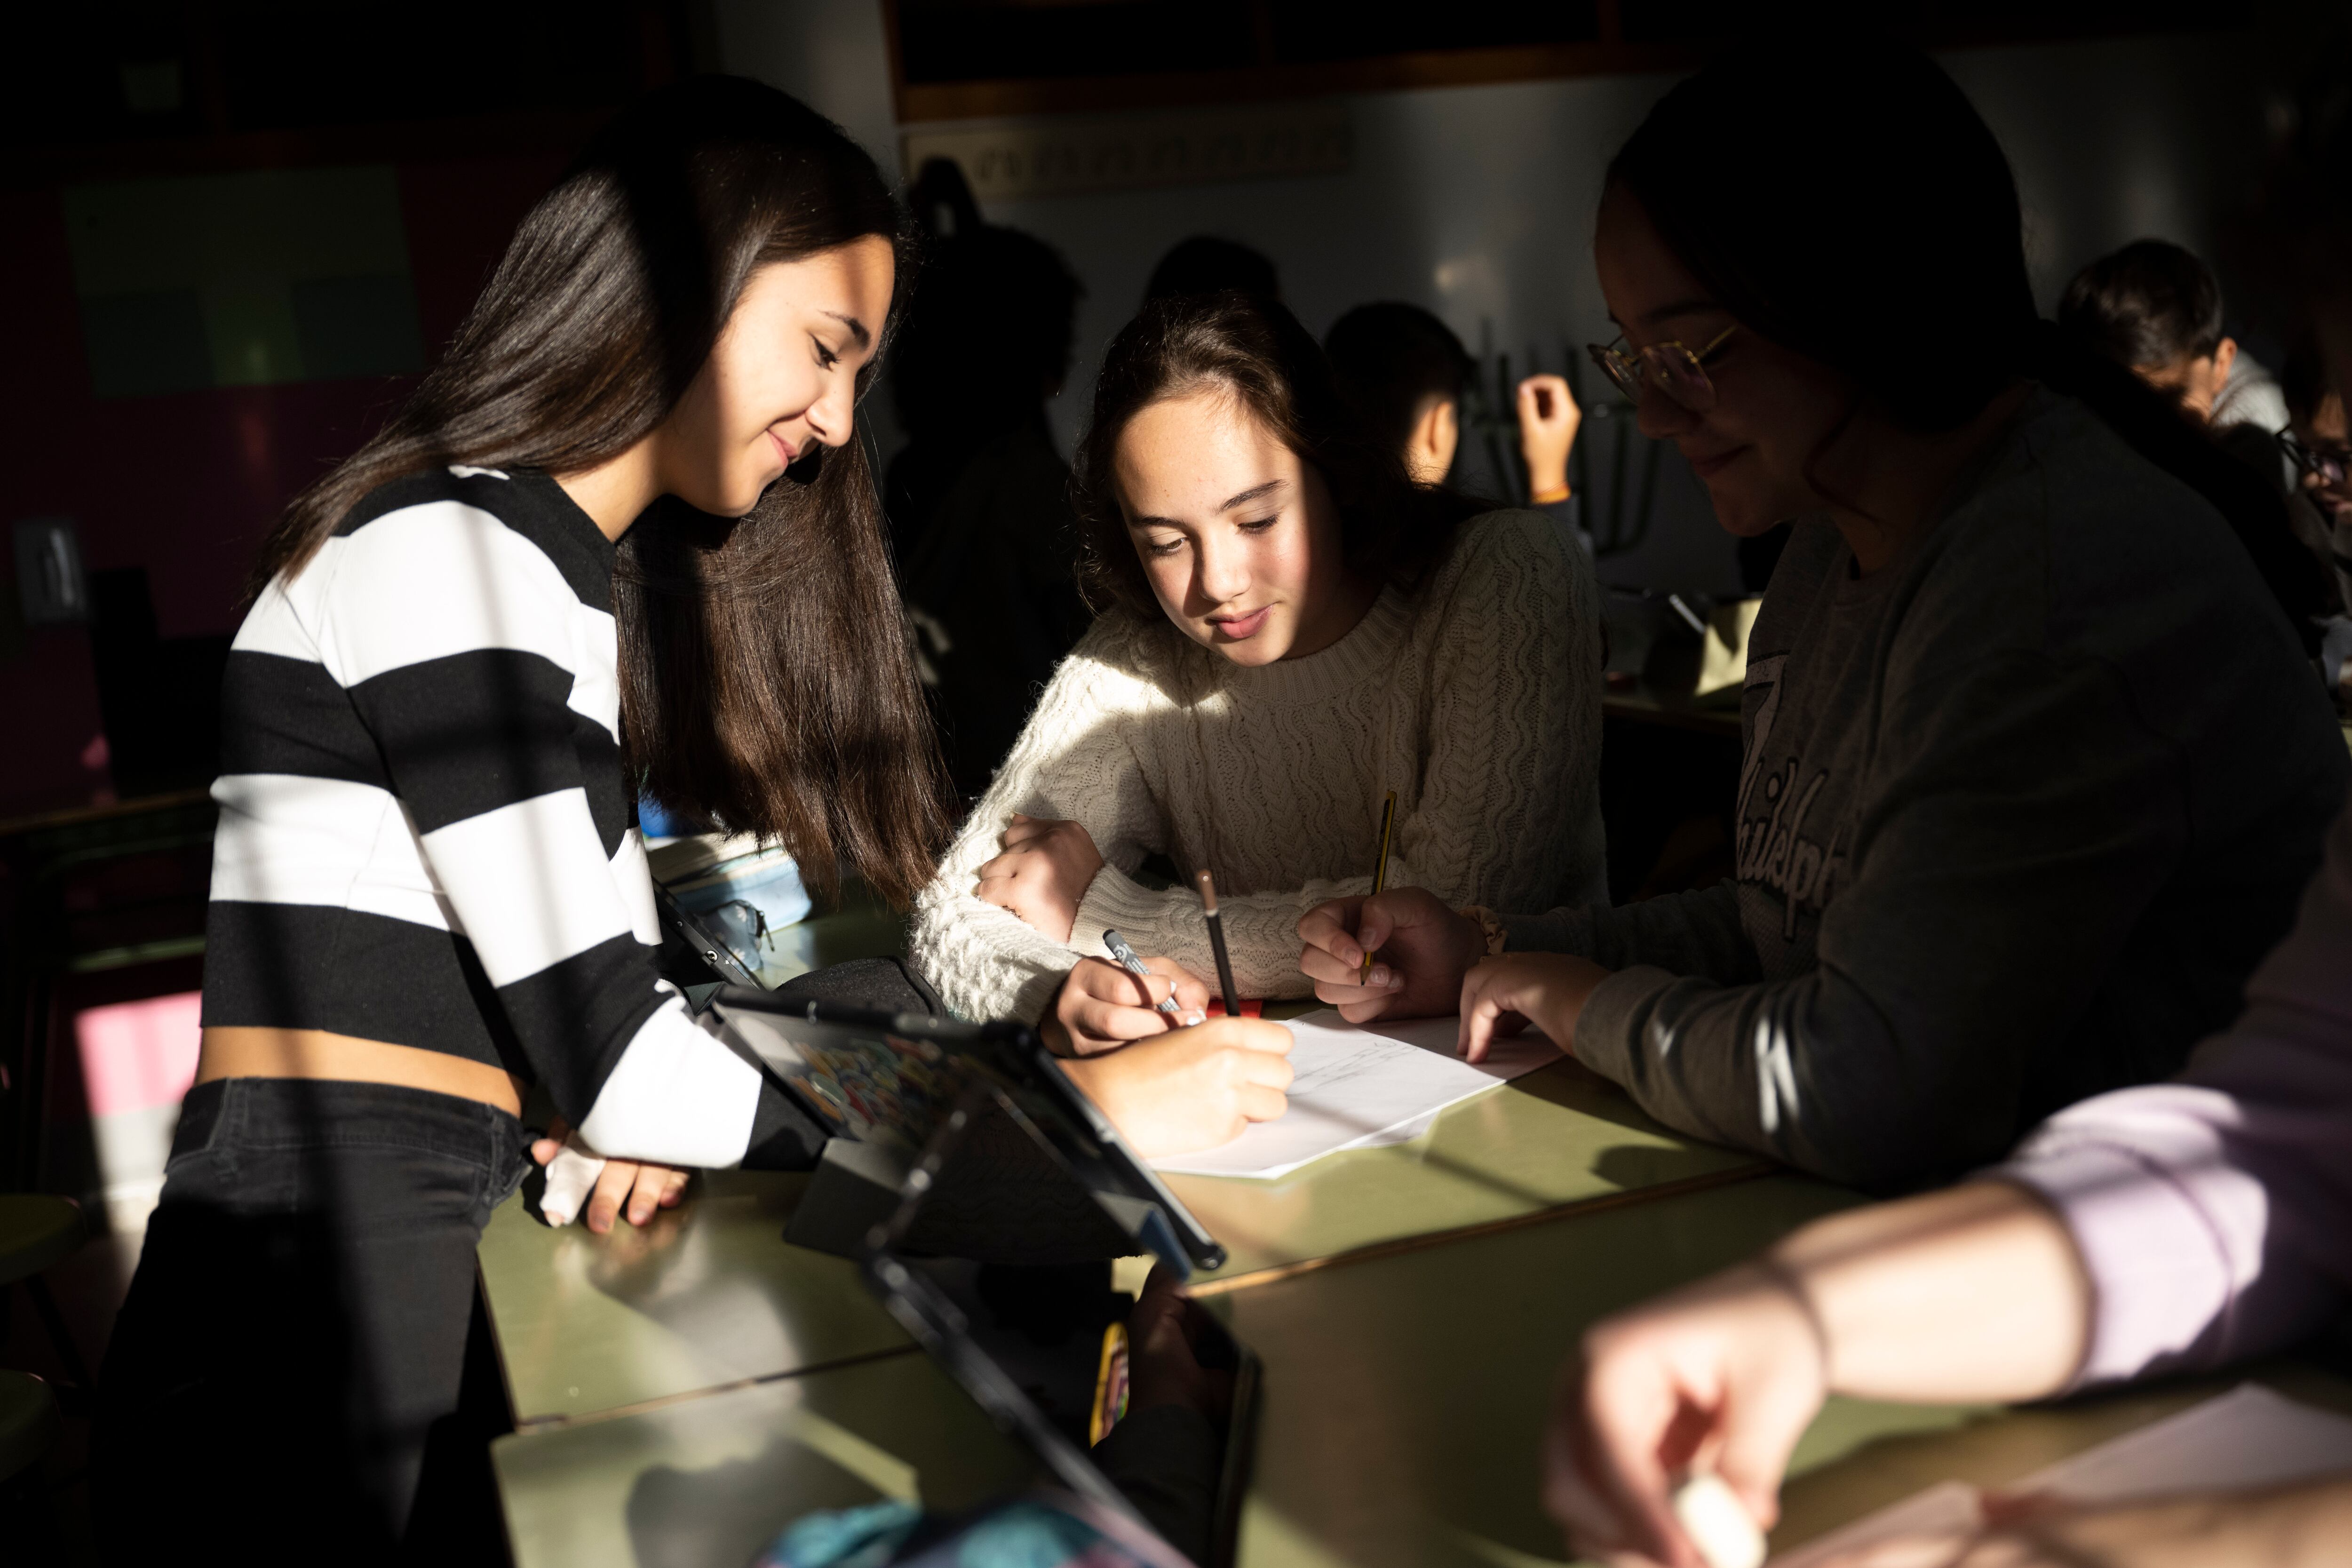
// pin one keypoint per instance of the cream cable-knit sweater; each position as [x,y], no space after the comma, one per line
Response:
[1479,704]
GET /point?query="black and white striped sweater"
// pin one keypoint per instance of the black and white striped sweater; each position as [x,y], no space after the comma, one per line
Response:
[426,837]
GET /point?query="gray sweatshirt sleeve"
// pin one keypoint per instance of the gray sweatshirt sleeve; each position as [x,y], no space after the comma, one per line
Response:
[2018,819]
[1695,933]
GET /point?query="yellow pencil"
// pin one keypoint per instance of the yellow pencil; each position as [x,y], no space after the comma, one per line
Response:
[1380,869]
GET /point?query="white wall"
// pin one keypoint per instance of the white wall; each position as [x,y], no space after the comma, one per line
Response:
[1477,202]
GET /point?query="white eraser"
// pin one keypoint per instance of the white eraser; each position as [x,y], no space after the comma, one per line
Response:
[1718,1523]
[571,1178]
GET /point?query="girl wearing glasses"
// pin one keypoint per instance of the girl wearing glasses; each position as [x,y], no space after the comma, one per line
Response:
[2035,763]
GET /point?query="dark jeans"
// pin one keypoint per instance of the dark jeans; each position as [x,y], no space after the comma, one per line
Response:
[298,1328]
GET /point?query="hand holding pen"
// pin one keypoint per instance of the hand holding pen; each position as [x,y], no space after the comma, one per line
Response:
[1103,1004]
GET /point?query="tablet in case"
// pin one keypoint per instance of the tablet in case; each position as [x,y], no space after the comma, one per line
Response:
[1040,1175]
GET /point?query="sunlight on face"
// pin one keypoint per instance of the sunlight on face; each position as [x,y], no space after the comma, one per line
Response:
[1773,408]
[1238,536]
[781,380]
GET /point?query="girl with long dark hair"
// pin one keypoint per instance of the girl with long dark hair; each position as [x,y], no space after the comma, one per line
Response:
[2036,764]
[1289,629]
[620,539]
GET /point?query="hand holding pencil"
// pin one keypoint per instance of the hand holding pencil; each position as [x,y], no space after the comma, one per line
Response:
[1423,950]
[1380,875]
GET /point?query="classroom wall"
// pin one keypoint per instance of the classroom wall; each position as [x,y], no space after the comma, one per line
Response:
[185,484]
[1477,202]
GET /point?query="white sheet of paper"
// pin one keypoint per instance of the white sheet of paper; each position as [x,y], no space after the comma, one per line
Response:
[2249,1436]
[1360,1086]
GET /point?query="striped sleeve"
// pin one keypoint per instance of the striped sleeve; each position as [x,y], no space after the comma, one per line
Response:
[483,667]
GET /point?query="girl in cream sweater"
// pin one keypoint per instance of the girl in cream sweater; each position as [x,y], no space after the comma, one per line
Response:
[1293,629]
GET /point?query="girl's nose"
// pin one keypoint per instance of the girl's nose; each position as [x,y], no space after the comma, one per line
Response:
[1223,575]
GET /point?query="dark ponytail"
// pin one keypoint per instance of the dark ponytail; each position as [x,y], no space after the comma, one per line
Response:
[1846,201]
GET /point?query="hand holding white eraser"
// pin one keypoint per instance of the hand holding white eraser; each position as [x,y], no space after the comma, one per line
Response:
[1718,1523]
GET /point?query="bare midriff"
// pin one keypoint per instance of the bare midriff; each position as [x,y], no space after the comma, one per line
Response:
[318,1054]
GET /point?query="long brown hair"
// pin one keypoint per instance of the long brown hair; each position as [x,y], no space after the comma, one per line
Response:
[766,679]
[1391,529]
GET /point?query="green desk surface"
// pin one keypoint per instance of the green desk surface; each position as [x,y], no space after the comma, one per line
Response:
[1405,1399]
[1405,1396]
[1403,1405]
[711,1479]
[706,1296]
[1559,1136]
[710,1294]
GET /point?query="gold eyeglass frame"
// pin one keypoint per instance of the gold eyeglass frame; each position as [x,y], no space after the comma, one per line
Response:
[1657,363]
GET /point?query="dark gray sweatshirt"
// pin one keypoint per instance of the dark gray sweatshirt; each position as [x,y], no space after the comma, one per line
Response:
[2018,815]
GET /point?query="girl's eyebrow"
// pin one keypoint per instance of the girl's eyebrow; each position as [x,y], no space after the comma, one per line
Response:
[1255,492]
[857,327]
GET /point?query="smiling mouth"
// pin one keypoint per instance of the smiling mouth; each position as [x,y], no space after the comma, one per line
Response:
[1714,463]
[1239,628]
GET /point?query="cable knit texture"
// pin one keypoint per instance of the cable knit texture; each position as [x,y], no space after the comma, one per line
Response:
[1477,701]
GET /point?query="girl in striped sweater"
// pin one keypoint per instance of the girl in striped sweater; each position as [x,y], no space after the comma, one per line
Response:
[620,534]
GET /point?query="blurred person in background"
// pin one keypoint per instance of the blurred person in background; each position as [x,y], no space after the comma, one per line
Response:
[2154,308]
[2318,445]
[1407,375]
[1208,264]
[979,499]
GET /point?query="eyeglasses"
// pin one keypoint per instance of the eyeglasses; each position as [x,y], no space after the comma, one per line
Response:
[1672,368]
[2326,464]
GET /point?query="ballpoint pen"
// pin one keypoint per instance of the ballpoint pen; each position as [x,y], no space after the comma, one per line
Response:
[1134,965]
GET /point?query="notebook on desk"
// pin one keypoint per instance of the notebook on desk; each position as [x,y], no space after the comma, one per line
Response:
[883,1084]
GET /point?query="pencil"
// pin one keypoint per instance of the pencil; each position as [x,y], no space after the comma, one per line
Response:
[1217,942]
[1380,869]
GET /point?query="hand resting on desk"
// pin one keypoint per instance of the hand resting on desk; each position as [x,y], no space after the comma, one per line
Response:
[575,1172]
[1190,1089]
[1502,995]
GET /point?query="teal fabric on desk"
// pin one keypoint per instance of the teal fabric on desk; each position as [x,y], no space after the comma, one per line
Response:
[1044,1530]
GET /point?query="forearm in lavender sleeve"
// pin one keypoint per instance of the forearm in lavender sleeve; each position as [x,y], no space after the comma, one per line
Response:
[1971,1294]
[2214,1212]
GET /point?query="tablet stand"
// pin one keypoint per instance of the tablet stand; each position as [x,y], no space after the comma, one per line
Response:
[854,1187]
